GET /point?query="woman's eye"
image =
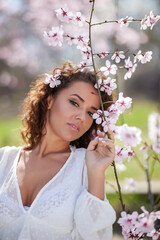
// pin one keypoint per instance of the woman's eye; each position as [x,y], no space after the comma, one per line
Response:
[74,103]
[90,114]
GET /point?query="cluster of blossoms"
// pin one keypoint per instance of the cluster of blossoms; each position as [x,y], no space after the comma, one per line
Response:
[110,117]
[107,85]
[129,65]
[56,35]
[147,22]
[135,225]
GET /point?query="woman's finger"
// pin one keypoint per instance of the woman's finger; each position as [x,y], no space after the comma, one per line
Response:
[92,144]
[100,134]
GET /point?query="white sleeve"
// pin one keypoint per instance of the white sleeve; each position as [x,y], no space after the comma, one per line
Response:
[93,217]
[2,150]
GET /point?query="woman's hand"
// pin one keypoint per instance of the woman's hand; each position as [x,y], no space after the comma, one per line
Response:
[100,153]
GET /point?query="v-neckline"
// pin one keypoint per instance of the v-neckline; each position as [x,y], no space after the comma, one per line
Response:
[44,187]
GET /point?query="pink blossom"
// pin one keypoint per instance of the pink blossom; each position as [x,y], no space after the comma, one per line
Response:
[129,135]
[64,15]
[82,65]
[102,55]
[143,57]
[154,126]
[123,103]
[125,21]
[117,56]
[109,68]
[69,39]
[155,234]
[86,53]
[108,124]
[55,36]
[122,153]
[107,85]
[120,167]
[134,225]
[130,185]
[79,19]
[149,21]
[114,112]
[129,152]
[99,116]
[52,80]
[146,224]
[81,40]
[127,221]
[130,68]
[144,23]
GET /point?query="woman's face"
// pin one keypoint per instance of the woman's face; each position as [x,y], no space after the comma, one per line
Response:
[70,114]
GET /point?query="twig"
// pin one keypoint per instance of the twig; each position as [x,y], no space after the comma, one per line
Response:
[138,161]
[110,184]
[119,187]
[150,194]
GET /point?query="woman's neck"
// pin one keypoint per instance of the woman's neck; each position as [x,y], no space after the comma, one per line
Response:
[48,146]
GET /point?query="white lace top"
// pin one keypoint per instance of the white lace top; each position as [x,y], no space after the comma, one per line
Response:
[62,210]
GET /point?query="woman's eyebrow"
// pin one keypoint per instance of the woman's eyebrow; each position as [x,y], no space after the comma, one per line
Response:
[82,100]
[78,97]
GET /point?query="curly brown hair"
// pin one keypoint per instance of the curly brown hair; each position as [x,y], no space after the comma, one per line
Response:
[35,105]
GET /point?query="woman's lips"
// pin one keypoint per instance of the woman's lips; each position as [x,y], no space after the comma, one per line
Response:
[74,127]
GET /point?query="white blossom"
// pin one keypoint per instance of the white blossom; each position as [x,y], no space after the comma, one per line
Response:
[125,21]
[120,167]
[107,85]
[52,80]
[130,68]
[117,56]
[143,57]
[123,103]
[130,185]
[64,15]
[108,124]
[110,68]
[154,126]
[79,19]
[55,36]
[129,135]
[99,116]
[149,21]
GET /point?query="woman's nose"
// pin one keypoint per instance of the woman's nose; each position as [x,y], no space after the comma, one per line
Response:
[80,116]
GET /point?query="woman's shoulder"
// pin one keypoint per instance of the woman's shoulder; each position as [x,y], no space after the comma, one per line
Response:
[8,149]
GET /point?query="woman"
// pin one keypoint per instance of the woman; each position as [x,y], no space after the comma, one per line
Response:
[53,188]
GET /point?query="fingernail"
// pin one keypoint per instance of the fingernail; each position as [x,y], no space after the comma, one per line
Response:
[100,138]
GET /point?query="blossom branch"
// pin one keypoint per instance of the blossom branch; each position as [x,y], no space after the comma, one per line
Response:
[90,44]
[116,21]
[119,187]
